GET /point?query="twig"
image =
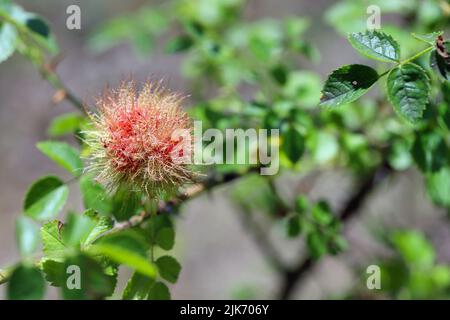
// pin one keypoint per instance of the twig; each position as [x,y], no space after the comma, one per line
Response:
[193,191]
[260,236]
[351,208]
[263,243]
[47,70]
[53,78]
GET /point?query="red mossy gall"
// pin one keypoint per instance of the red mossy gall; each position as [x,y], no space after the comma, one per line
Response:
[133,140]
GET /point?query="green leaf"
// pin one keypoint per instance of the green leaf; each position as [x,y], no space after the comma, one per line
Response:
[125,204]
[38,29]
[138,287]
[280,74]
[429,38]
[65,124]
[408,90]
[8,41]
[94,195]
[45,198]
[293,226]
[179,44]
[338,244]
[414,248]
[345,16]
[445,88]
[77,229]
[126,248]
[376,45]
[324,146]
[438,187]
[154,226]
[321,213]
[63,154]
[140,27]
[39,26]
[347,84]
[429,151]
[400,156]
[317,245]
[293,143]
[53,245]
[168,268]
[159,291]
[93,283]
[264,40]
[26,283]
[54,272]
[301,204]
[102,225]
[165,238]
[27,236]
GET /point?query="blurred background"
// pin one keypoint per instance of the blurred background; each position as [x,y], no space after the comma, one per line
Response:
[220,259]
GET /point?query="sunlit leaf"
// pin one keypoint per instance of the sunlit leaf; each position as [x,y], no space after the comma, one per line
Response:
[45,198]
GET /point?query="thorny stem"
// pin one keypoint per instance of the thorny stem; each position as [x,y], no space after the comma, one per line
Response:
[165,207]
[193,191]
[46,70]
[54,79]
[414,57]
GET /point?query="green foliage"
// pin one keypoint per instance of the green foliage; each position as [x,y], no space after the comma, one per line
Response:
[27,236]
[94,283]
[65,124]
[165,238]
[438,187]
[25,32]
[347,84]
[124,204]
[63,154]
[408,90]
[293,143]
[140,29]
[8,41]
[429,151]
[408,85]
[52,243]
[102,224]
[138,287]
[376,45]
[45,198]
[26,283]
[126,248]
[76,230]
[429,38]
[179,44]
[54,272]
[168,268]
[246,74]
[159,291]
[94,195]
[414,274]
